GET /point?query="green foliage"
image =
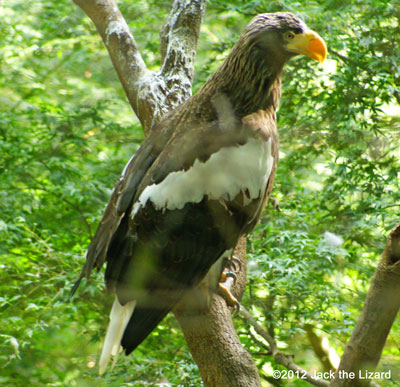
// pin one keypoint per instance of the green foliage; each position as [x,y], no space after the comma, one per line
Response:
[66,132]
[339,173]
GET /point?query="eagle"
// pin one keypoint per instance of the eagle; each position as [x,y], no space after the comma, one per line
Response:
[198,183]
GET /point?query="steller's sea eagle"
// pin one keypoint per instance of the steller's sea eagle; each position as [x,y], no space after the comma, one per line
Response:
[199,181]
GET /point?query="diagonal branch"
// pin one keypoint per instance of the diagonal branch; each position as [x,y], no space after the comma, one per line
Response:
[121,46]
[365,346]
[151,94]
[316,344]
[163,91]
[280,357]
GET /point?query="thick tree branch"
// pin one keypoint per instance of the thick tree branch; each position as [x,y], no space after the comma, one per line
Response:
[151,94]
[365,346]
[122,48]
[213,341]
[179,38]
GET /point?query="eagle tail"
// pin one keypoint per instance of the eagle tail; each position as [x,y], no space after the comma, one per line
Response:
[142,322]
[119,318]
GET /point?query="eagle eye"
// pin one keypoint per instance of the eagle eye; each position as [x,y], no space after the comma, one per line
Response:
[289,35]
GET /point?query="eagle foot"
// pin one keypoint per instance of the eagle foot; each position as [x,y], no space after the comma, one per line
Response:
[229,298]
[232,267]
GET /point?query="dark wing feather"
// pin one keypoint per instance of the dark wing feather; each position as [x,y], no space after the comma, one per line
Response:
[155,256]
[120,201]
[165,150]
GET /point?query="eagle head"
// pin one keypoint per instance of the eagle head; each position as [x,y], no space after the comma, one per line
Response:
[283,35]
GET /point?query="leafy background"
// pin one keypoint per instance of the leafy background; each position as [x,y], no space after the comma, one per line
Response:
[66,132]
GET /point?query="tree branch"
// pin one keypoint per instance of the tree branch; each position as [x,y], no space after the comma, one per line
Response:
[212,338]
[319,350]
[151,94]
[280,357]
[121,46]
[179,38]
[365,346]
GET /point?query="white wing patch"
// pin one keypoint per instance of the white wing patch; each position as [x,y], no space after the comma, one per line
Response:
[222,177]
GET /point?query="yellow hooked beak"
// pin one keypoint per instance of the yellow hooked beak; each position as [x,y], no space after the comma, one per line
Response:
[309,44]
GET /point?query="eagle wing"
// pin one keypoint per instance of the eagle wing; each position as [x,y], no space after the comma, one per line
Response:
[121,199]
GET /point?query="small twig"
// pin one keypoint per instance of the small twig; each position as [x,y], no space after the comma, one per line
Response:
[260,344]
[275,203]
[27,257]
[280,357]
[340,56]
[320,352]
[43,188]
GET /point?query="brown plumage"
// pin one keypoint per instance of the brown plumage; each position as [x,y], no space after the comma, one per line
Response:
[199,181]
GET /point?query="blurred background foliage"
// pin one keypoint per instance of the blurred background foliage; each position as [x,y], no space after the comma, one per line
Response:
[66,131]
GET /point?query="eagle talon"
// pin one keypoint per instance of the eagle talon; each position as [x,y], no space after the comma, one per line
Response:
[226,274]
[235,263]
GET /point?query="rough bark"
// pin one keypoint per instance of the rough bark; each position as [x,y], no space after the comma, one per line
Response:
[210,333]
[365,346]
[151,94]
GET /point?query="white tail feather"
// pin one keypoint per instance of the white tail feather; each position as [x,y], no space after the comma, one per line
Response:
[119,318]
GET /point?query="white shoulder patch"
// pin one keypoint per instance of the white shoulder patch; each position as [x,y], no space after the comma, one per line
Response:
[222,177]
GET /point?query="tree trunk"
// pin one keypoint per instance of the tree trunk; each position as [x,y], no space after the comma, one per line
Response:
[363,351]
[212,339]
